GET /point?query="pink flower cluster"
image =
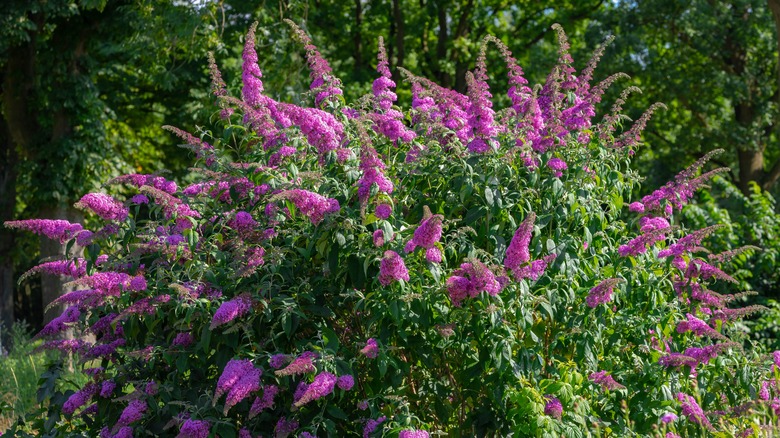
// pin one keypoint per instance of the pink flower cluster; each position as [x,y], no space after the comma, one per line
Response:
[518,256]
[243,222]
[55,229]
[371,350]
[323,385]
[230,310]
[80,398]
[605,380]
[413,433]
[698,327]
[251,74]
[373,173]
[238,380]
[312,205]
[553,407]
[692,410]
[470,280]
[387,121]
[480,109]
[677,193]
[323,82]
[194,429]
[689,243]
[302,364]
[426,235]
[602,293]
[104,206]
[61,323]
[266,402]
[371,426]
[72,268]
[132,413]
[139,180]
[392,269]
[558,166]
[654,229]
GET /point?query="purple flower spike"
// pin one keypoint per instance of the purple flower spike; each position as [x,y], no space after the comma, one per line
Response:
[383,211]
[429,232]
[230,310]
[323,384]
[605,380]
[302,364]
[692,410]
[266,402]
[238,380]
[553,408]
[104,206]
[602,293]
[371,350]
[558,166]
[413,433]
[251,74]
[54,229]
[346,382]
[470,280]
[194,429]
[132,413]
[392,269]
[517,253]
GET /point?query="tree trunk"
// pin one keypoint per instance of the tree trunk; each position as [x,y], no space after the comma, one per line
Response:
[750,156]
[398,17]
[461,65]
[18,131]
[7,207]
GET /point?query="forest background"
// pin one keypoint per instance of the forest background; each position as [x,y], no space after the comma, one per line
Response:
[86,85]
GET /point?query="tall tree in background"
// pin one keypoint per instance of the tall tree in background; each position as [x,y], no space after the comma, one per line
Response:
[714,63]
[78,79]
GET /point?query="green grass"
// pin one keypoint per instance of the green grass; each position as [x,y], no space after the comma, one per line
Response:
[19,374]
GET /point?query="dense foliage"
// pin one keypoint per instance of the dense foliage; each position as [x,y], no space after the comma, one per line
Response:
[355,269]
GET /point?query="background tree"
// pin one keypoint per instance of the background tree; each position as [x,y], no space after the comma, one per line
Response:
[715,66]
[78,81]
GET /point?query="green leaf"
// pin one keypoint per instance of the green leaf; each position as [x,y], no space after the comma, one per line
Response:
[336,412]
[330,339]
[489,196]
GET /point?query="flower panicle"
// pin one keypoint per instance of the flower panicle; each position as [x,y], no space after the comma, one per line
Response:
[251,74]
[55,229]
[587,73]
[324,83]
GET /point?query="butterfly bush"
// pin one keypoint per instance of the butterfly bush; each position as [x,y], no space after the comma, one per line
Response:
[452,268]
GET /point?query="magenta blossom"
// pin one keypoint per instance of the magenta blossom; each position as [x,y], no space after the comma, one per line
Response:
[602,293]
[383,211]
[470,280]
[302,364]
[692,410]
[54,229]
[553,407]
[346,382]
[413,433]
[194,429]
[104,206]
[392,269]
[238,380]
[323,384]
[230,310]
[558,166]
[371,350]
